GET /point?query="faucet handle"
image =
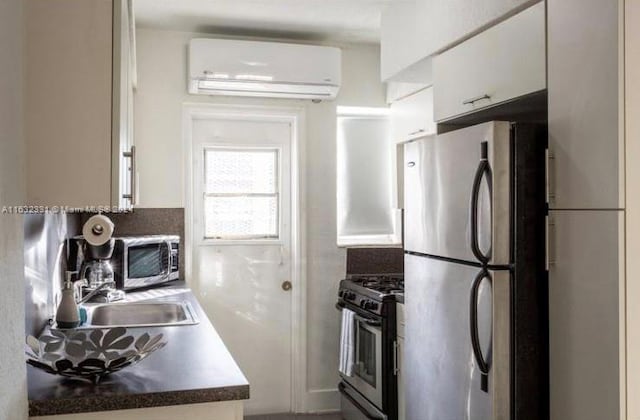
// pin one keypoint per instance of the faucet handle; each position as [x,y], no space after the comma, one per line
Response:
[77,288]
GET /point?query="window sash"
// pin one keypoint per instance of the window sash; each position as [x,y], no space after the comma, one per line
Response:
[266,150]
[275,195]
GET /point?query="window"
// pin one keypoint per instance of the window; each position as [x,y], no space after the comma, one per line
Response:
[241,194]
[366,187]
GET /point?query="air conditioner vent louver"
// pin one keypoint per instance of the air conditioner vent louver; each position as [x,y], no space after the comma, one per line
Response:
[266,69]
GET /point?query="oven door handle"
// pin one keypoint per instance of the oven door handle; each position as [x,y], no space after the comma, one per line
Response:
[369,321]
[363,410]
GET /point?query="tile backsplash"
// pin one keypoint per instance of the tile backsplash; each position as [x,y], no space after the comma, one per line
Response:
[375,260]
[45,252]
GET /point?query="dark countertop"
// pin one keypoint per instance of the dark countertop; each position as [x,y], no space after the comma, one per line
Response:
[194,367]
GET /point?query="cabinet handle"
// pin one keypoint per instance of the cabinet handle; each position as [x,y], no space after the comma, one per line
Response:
[550,181]
[134,183]
[132,180]
[550,234]
[422,130]
[396,370]
[476,99]
[411,164]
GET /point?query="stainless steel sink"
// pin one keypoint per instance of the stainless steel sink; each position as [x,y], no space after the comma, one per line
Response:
[154,314]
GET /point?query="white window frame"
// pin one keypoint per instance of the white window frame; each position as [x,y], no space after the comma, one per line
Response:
[251,240]
[392,239]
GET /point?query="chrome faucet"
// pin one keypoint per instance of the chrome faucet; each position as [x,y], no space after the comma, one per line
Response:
[94,292]
[82,284]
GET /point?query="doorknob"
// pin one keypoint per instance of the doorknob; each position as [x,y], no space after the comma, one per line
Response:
[286,285]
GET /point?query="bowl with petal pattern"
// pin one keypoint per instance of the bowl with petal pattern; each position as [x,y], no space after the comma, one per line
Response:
[90,355]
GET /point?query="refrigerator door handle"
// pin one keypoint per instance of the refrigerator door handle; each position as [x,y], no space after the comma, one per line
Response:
[483,364]
[483,171]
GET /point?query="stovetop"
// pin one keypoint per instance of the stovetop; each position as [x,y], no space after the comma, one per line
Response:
[371,292]
[381,283]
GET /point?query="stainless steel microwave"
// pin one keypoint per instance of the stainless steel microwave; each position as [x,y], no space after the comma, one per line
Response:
[143,261]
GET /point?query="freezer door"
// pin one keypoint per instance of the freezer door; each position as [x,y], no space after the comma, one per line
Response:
[457,194]
[449,308]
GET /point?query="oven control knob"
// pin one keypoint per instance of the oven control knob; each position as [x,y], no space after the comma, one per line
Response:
[340,293]
[350,296]
[370,305]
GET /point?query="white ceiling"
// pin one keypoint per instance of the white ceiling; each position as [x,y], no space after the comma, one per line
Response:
[356,21]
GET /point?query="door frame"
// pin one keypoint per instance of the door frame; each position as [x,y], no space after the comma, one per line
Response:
[295,116]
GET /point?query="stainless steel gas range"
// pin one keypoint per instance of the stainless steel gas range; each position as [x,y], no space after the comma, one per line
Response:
[370,392]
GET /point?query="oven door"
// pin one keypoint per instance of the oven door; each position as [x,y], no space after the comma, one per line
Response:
[354,406]
[367,371]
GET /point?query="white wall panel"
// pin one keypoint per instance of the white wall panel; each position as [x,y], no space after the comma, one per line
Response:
[13,380]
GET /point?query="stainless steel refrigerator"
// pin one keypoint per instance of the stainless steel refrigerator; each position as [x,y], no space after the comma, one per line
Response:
[475,274]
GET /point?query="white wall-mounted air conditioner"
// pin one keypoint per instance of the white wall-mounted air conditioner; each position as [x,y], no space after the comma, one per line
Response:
[267,69]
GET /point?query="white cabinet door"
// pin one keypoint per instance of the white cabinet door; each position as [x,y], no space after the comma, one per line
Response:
[412,117]
[68,82]
[443,23]
[79,112]
[502,63]
[123,173]
[222,410]
[584,104]
[584,288]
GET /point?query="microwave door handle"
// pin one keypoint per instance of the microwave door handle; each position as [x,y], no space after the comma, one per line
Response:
[169,258]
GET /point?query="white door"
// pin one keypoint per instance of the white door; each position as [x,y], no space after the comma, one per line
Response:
[241,246]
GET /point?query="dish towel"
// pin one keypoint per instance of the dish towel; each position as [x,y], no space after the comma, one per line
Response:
[347,345]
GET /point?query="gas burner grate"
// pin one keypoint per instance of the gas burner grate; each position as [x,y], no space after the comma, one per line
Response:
[384,283]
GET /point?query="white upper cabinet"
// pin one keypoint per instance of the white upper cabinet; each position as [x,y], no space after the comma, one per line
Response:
[444,23]
[123,160]
[413,31]
[585,140]
[502,63]
[412,117]
[74,109]
[68,102]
